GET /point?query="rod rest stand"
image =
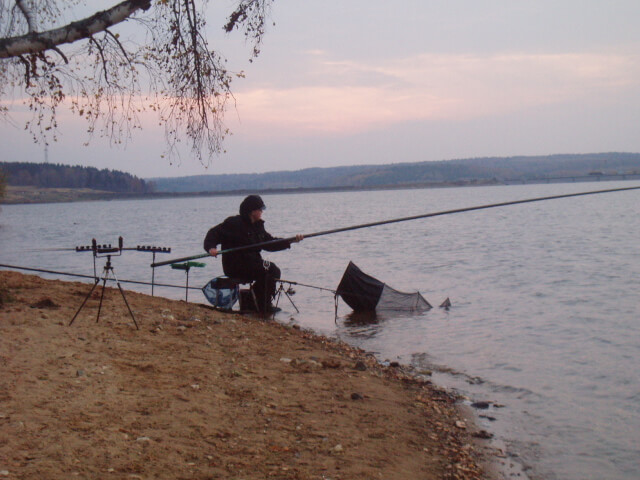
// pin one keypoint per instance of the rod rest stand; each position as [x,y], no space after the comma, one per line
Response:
[186,267]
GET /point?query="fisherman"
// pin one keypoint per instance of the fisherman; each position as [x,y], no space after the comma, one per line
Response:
[248,265]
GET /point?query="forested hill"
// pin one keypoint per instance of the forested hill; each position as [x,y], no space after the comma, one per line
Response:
[465,171]
[47,175]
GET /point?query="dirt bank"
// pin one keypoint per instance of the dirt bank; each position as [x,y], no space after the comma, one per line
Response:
[198,394]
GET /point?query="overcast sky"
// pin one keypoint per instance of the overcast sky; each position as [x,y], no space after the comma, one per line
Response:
[376,81]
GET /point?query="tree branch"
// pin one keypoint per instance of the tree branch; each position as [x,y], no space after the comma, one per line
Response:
[36,42]
[27,70]
[104,61]
[59,52]
[119,44]
[26,13]
[188,81]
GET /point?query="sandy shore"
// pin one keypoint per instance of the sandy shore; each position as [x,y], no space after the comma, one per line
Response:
[198,394]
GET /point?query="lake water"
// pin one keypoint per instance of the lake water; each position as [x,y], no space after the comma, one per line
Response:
[544,318]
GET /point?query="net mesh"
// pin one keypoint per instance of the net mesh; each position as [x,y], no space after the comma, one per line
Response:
[392,299]
[363,293]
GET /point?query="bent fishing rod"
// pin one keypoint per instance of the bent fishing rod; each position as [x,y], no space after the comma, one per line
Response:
[394,220]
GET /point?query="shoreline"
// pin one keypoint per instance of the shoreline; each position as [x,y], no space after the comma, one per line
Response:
[197,393]
[30,195]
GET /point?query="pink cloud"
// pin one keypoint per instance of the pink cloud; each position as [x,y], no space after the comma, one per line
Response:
[355,97]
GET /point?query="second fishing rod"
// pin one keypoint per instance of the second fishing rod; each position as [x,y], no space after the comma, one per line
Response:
[395,220]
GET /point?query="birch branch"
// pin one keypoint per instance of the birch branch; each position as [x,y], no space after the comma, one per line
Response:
[36,42]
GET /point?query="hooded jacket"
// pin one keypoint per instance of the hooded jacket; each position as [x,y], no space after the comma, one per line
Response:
[238,231]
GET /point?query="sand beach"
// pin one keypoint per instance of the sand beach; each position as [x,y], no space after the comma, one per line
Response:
[200,394]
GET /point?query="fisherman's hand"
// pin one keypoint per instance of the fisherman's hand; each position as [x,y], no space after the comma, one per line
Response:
[299,238]
[213,252]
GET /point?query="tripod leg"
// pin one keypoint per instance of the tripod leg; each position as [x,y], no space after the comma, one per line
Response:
[104,283]
[124,298]
[289,297]
[127,304]
[281,290]
[277,299]
[85,300]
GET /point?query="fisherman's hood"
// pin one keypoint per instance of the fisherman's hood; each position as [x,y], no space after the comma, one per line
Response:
[251,203]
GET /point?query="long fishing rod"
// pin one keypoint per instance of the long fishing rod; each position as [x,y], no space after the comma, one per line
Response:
[395,220]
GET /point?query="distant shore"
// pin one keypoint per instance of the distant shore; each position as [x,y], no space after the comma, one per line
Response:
[29,194]
[196,393]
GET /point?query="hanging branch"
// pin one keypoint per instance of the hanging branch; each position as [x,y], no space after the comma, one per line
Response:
[172,71]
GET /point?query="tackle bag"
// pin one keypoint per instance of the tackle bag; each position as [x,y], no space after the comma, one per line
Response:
[221,292]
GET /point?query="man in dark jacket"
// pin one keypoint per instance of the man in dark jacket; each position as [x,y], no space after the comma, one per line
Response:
[247,265]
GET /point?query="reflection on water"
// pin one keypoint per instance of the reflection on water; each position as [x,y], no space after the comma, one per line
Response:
[357,319]
[358,326]
[362,326]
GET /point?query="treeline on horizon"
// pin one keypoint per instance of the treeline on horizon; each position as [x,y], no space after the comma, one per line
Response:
[49,175]
[487,170]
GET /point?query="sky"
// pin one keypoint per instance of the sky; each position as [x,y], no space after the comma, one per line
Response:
[378,82]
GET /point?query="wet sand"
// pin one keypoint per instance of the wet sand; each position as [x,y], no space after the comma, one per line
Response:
[200,394]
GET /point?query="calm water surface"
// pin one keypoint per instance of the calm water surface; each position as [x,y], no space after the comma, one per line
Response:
[545,296]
